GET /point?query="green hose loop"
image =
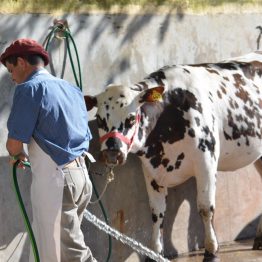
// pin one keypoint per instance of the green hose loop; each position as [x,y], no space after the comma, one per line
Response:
[23,210]
[78,62]
[71,60]
[48,38]
[67,35]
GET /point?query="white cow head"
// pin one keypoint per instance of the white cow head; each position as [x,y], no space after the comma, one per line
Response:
[119,120]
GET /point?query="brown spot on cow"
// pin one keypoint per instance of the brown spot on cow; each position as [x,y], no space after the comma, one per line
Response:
[227,136]
[197,121]
[242,94]
[154,218]
[223,89]
[165,162]
[191,132]
[179,160]
[239,81]
[155,186]
[219,94]
[212,71]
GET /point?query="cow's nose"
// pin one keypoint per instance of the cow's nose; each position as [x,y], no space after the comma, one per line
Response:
[112,157]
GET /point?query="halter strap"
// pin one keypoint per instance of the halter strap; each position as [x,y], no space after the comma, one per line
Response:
[121,136]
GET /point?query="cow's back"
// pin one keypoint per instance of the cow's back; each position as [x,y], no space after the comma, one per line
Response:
[210,111]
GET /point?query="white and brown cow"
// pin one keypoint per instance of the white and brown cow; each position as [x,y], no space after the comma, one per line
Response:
[183,121]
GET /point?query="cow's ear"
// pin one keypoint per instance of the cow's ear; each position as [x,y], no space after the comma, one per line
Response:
[152,95]
[90,101]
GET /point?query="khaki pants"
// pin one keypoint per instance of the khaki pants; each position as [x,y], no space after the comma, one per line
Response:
[59,197]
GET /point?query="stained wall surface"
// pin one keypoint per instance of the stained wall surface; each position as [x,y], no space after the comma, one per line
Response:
[124,48]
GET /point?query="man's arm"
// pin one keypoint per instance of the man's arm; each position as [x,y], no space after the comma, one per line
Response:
[15,148]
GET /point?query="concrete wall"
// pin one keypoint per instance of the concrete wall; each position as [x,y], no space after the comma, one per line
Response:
[125,48]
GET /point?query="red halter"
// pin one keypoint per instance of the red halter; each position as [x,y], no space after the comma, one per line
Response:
[121,136]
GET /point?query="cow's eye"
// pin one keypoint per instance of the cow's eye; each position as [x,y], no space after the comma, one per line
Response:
[130,121]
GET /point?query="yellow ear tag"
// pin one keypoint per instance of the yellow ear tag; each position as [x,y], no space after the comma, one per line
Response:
[155,96]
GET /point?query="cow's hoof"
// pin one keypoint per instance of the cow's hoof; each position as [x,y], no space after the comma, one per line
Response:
[209,257]
[257,243]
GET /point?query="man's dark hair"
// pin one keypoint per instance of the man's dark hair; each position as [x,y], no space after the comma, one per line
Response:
[32,59]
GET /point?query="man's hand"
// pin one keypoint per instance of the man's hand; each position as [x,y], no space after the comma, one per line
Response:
[22,157]
[16,152]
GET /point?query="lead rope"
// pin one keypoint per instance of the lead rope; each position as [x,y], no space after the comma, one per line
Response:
[109,178]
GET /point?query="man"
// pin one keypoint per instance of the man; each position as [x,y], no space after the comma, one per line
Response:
[49,115]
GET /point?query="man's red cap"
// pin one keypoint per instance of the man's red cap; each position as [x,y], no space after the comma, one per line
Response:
[25,46]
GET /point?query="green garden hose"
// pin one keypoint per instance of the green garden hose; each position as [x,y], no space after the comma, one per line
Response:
[23,211]
[67,36]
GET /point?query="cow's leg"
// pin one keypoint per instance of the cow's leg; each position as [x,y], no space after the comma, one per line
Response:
[258,240]
[157,201]
[206,191]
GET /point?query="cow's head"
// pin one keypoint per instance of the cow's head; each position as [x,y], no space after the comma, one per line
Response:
[119,120]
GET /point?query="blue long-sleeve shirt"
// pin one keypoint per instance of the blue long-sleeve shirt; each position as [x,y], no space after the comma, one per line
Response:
[53,112]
